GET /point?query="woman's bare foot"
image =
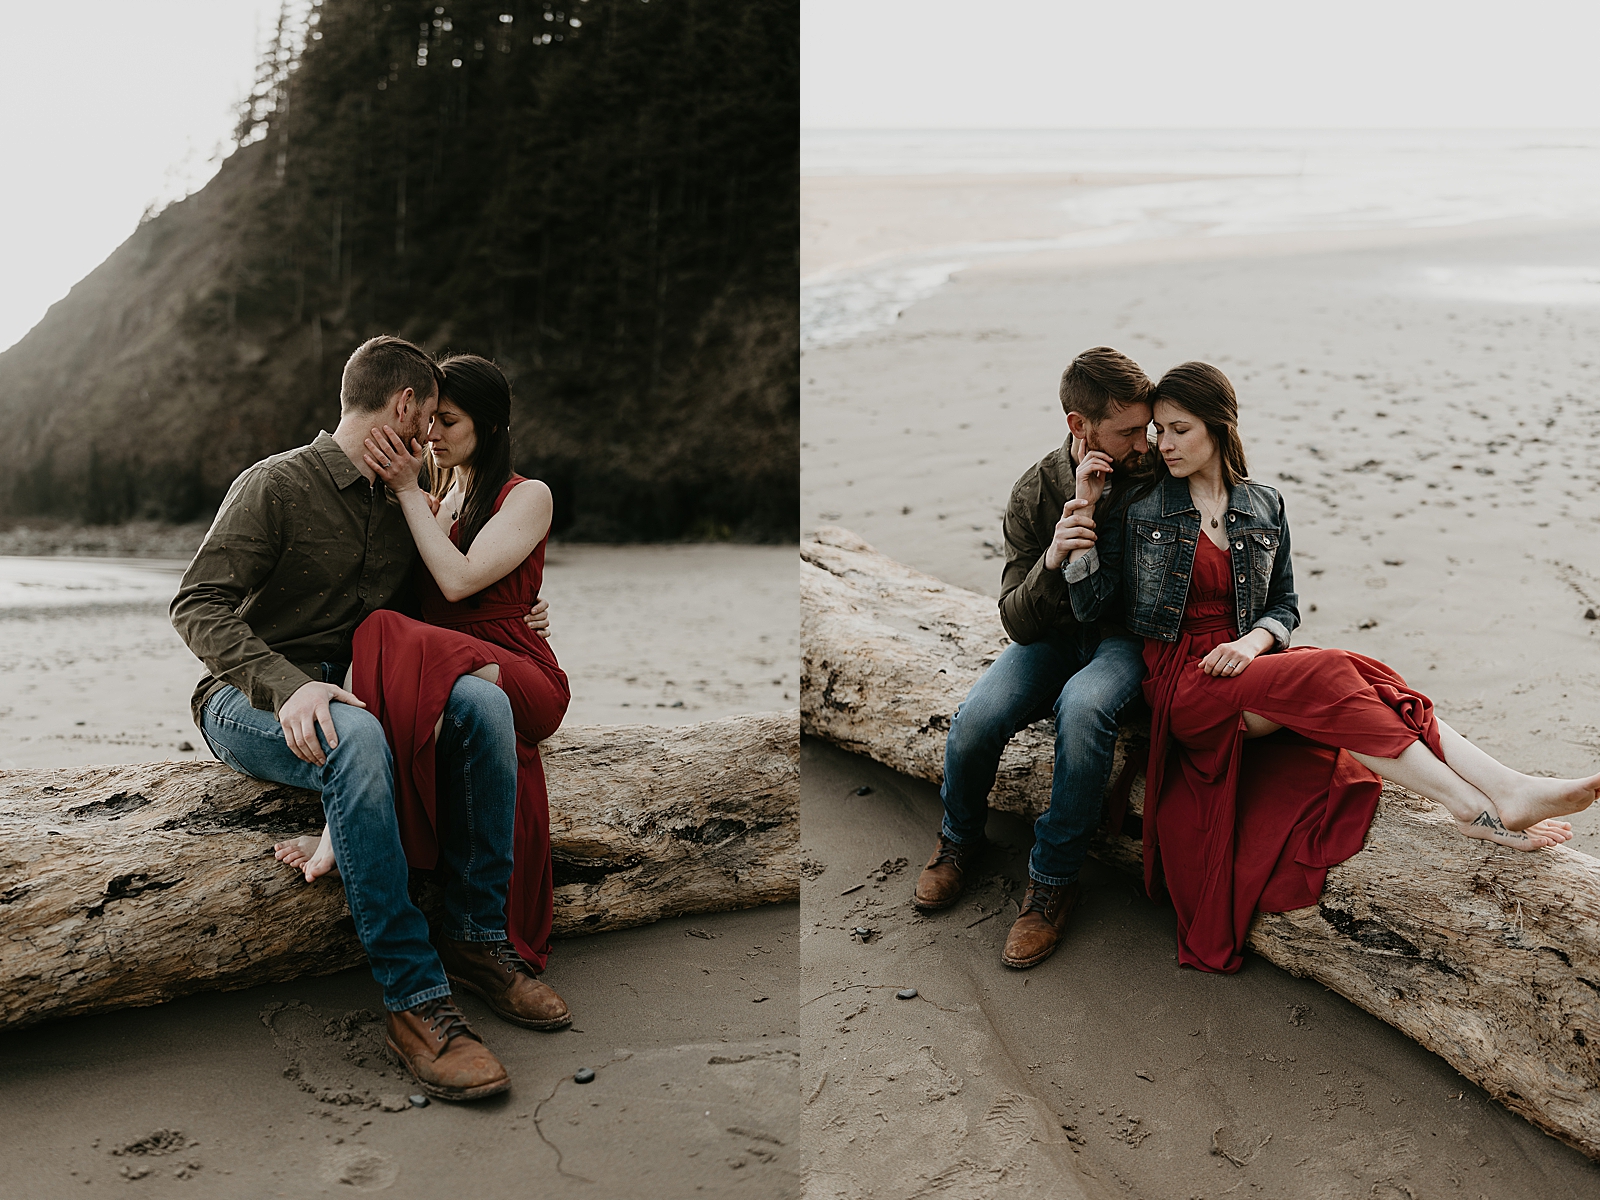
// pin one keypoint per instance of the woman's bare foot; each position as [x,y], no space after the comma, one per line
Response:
[312,857]
[1535,799]
[1540,836]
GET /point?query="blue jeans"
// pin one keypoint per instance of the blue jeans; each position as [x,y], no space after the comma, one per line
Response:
[1085,688]
[475,810]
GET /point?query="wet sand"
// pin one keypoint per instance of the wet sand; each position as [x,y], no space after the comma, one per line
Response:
[1436,446]
[1107,1070]
[92,672]
[690,1023]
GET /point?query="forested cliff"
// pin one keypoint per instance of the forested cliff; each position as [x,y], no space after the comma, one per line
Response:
[602,195]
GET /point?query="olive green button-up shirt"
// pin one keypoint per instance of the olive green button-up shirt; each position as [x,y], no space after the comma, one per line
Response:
[1035,605]
[302,551]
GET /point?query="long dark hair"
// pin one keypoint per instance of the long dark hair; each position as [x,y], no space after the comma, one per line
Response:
[1204,392]
[476,386]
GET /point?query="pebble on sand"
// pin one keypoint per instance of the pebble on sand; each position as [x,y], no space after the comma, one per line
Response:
[418,1101]
[583,1075]
[863,790]
[906,994]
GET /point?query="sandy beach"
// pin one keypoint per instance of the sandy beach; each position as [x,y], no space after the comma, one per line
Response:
[662,635]
[1424,401]
[285,1090]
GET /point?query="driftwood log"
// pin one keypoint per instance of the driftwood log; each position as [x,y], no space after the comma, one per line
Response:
[1488,957]
[131,885]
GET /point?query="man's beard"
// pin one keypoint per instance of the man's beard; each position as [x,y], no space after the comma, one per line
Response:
[1136,465]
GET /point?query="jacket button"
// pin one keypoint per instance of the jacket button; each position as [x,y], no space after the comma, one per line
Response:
[1155,536]
[1238,545]
[1241,579]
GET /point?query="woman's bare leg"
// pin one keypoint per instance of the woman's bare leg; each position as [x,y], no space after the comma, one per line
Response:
[1522,800]
[1476,816]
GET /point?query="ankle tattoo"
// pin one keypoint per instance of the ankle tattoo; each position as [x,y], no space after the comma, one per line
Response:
[1487,820]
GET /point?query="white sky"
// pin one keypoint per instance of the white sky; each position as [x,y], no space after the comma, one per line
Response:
[1063,64]
[106,105]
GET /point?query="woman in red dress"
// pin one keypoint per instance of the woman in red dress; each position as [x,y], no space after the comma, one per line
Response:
[481,534]
[1199,562]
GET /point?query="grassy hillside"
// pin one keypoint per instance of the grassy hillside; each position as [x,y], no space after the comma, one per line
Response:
[603,196]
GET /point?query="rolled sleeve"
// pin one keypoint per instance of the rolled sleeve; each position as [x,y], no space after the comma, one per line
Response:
[1279,632]
[1079,569]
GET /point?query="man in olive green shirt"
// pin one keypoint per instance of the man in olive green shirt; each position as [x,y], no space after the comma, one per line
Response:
[1056,667]
[306,544]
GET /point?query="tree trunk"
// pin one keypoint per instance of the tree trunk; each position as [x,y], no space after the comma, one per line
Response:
[1488,957]
[131,885]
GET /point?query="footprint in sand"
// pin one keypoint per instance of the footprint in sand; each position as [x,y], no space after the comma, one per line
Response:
[339,1060]
[360,1167]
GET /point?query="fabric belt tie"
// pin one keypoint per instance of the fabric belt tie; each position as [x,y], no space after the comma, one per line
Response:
[458,615]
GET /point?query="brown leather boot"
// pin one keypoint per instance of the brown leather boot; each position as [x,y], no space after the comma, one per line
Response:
[1037,929]
[499,975]
[439,1048]
[945,877]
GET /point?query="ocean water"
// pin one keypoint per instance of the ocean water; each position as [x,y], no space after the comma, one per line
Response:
[1222,183]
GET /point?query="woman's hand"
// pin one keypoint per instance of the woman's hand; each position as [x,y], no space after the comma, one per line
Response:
[1093,469]
[391,461]
[1231,658]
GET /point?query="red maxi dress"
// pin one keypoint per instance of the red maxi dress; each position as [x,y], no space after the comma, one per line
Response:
[404,670]
[1234,828]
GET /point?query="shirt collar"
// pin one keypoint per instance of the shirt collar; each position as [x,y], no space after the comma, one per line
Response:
[344,471]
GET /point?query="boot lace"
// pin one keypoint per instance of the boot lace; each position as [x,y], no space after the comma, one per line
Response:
[444,1019]
[1038,899]
[949,852]
[506,955]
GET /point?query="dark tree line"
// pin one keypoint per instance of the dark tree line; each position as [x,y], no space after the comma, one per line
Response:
[602,195]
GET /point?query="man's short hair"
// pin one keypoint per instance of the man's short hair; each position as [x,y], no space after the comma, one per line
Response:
[382,366]
[1101,380]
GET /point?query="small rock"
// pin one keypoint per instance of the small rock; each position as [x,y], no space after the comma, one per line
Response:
[583,1075]
[1146,1076]
[906,994]
[863,932]
[863,790]
[418,1101]
[1590,615]
[676,704]
[185,747]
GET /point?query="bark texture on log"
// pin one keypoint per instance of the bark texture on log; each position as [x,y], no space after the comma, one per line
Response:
[131,885]
[1488,957]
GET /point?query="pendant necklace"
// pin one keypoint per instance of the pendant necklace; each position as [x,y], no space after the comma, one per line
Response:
[1213,517]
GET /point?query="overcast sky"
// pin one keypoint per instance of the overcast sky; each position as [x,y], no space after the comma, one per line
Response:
[1061,64]
[108,105]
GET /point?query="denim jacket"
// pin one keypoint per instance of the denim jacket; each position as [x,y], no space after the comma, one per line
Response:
[1145,556]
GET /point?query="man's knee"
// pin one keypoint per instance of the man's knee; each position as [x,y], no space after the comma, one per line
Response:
[478,704]
[1088,711]
[360,735]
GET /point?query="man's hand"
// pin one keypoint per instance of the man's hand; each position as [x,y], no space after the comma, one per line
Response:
[538,618]
[1075,531]
[307,709]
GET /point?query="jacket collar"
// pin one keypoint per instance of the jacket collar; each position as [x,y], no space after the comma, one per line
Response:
[344,471]
[1175,498]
